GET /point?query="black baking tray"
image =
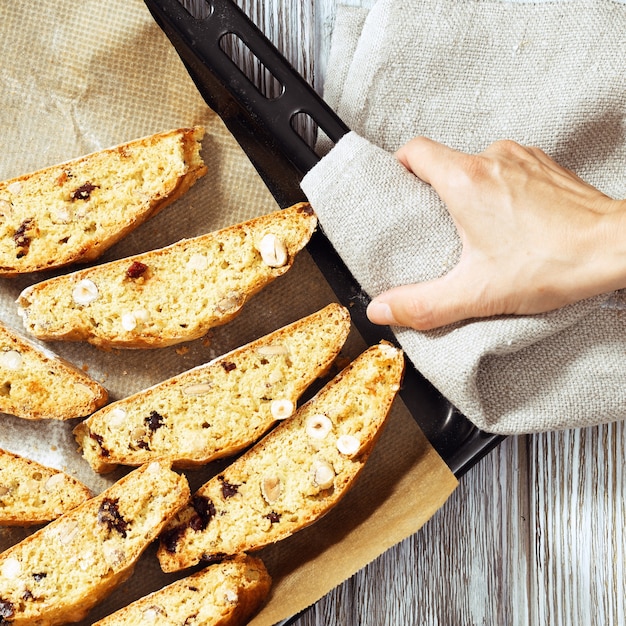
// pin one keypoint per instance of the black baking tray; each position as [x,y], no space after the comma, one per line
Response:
[205,33]
[265,126]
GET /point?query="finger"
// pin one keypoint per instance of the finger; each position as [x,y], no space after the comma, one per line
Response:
[422,306]
[428,160]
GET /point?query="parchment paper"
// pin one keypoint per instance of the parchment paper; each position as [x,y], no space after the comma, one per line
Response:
[76,77]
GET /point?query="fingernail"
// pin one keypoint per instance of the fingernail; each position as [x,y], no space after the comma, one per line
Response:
[380,313]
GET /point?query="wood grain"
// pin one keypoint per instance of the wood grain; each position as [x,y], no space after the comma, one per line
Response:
[533,536]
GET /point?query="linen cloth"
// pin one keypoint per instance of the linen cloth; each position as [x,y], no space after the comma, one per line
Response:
[467,73]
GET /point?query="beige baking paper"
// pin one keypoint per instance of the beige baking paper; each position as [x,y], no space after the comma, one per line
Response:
[76,77]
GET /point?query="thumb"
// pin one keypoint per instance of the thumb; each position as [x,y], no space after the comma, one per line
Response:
[422,306]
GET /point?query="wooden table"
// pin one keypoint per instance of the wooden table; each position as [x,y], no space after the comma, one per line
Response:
[534,535]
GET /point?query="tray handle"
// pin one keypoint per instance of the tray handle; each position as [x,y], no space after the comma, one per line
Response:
[275,147]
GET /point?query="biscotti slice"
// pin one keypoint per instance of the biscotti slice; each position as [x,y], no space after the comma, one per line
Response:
[31,493]
[37,384]
[74,211]
[57,574]
[172,294]
[223,594]
[219,408]
[295,474]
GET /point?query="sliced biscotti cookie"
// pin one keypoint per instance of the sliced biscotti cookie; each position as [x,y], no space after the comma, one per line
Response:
[57,574]
[219,408]
[31,493]
[172,294]
[37,384]
[295,474]
[223,594]
[74,211]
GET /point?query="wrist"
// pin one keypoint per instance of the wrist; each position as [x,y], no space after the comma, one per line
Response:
[612,258]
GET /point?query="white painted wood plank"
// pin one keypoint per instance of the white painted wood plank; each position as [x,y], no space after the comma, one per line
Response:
[579,511]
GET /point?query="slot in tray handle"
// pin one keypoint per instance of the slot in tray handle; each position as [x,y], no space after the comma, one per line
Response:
[204,35]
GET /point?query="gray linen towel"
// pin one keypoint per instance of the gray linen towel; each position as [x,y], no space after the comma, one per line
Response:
[467,73]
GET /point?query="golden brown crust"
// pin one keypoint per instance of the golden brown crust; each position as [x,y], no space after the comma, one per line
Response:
[219,408]
[37,384]
[74,211]
[169,295]
[31,493]
[57,574]
[295,474]
[223,594]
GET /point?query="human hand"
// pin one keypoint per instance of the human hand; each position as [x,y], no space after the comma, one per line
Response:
[534,237]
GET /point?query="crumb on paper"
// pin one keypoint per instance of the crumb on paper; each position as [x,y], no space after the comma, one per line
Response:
[182,350]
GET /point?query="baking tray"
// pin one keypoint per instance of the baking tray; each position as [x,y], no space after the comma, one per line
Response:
[211,37]
[265,126]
